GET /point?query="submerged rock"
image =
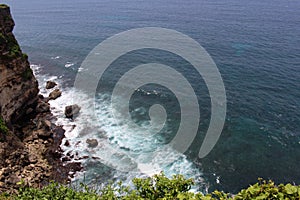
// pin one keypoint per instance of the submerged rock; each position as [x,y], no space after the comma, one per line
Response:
[92,143]
[50,84]
[72,111]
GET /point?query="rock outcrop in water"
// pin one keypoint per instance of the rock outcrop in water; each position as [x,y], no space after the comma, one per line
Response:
[72,111]
[29,141]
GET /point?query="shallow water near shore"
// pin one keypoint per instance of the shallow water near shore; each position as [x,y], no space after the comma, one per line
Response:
[256,47]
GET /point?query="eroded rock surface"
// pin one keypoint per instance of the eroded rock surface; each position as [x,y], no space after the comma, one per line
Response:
[72,111]
[50,84]
[18,86]
[29,140]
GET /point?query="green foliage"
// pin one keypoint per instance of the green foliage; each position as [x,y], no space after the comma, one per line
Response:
[268,190]
[13,47]
[6,196]
[3,127]
[27,74]
[157,187]
[2,39]
[4,6]
[55,191]
[25,56]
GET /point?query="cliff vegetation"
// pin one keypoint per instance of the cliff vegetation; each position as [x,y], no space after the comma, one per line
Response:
[157,187]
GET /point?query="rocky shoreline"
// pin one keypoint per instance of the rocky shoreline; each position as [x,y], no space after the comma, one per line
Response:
[30,142]
[32,153]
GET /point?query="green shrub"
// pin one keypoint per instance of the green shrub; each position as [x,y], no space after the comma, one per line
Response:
[25,56]
[27,74]
[268,190]
[55,191]
[3,127]
[160,186]
[14,48]
[3,6]
[2,39]
[157,187]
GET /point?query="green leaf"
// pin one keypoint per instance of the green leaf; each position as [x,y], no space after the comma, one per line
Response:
[290,189]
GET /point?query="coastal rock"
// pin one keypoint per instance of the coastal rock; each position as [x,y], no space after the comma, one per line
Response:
[54,94]
[72,111]
[33,159]
[43,133]
[42,107]
[67,143]
[92,143]
[18,86]
[50,84]
[29,142]
[47,124]
[44,124]
[65,159]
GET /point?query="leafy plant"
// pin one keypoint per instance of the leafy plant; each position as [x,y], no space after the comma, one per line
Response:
[268,190]
[3,6]
[14,48]
[157,187]
[27,74]
[55,191]
[3,127]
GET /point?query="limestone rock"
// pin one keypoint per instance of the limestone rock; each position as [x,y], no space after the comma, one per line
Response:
[67,143]
[42,107]
[55,94]
[30,150]
[50,84]
[47,124]
[92,143]
[44,133]
[72,111]
[18,86]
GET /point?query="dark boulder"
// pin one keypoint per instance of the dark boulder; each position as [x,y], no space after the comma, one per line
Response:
[50,84]
[92,143]
[72,111]
[42,107]
[54,94]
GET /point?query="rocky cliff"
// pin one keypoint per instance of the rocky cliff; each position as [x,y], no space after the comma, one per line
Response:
[29,140]
[18,86]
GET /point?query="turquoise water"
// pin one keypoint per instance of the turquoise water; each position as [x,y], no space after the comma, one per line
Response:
[255,44]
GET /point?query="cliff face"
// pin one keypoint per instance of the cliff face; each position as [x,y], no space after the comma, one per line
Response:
[18,86]
[29,141]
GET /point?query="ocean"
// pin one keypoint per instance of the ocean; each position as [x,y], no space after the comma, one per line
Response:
[256,47]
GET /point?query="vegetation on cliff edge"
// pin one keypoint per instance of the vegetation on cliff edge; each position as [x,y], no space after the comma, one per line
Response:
[156,187]
[4,6]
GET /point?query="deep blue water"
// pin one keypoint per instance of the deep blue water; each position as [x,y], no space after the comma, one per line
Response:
[255,44]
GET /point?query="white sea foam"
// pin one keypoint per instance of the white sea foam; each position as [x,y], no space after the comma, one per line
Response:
[55,58]
[69,64]
[128,152]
